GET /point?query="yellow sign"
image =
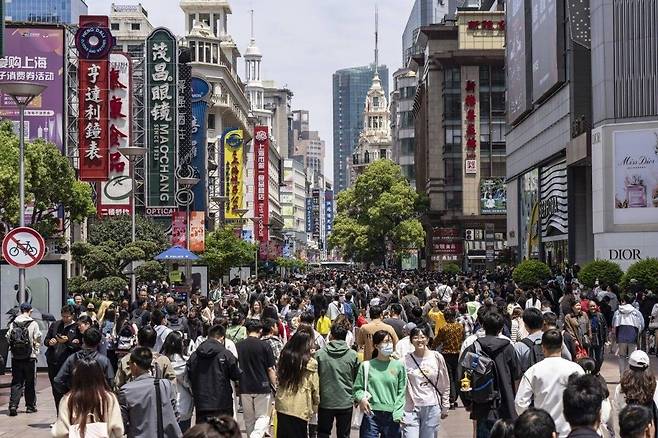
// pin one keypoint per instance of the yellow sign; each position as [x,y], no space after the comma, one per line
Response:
[234,171]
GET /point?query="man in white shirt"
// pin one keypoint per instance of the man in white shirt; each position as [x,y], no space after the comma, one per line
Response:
[445,293]
[543,384]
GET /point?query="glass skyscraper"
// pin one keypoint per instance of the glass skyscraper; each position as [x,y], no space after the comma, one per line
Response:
[423,13]
[45,11]
[350,88]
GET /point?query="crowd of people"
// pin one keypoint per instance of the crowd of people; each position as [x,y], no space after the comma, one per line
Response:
[389,353]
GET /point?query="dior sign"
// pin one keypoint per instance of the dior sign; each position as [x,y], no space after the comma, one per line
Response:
[625,254]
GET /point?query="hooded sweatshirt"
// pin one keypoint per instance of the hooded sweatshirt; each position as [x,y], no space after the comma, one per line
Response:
[337,368]
[210,371]
[65,374]
[628,323]
[508,370]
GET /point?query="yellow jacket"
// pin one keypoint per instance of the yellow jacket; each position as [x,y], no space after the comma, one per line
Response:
[304,402]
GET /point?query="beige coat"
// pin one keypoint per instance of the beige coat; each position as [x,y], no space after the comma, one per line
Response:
[113,419]
[304,402]
[364,336]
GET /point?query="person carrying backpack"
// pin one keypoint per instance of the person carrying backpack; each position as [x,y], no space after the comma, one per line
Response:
[489,367]
[24,338]
[543,383]
[529,349]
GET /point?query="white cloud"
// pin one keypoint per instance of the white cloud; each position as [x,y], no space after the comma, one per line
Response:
[303,42]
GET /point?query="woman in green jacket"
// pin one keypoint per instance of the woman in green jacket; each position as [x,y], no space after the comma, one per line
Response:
[382,397]
[298,395]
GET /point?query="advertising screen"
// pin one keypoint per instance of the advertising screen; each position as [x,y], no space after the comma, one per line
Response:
[36,54]
[493,196]
[547,46]
[516,59]
[636,176]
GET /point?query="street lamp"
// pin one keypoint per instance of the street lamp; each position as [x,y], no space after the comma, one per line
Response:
[22,93]
[132,153]
[256,220]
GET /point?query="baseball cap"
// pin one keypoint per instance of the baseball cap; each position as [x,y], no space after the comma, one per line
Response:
[638,359]
[26,307]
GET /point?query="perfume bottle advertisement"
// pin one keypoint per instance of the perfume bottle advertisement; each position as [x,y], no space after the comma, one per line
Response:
[636,176]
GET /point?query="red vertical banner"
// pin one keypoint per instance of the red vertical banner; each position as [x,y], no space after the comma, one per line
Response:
[178,229]
[93,114]
[261,188]
[197,231]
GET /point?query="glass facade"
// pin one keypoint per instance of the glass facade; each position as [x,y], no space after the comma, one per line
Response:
[45,11]
[424,12]
[350,87]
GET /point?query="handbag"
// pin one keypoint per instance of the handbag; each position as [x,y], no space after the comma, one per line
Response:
[357,413]
[581,352]
[95,429]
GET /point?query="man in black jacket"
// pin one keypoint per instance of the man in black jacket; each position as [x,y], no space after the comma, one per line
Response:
[91,338]
[60,346]
[210,370]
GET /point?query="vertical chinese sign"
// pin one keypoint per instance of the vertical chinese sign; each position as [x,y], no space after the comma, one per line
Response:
[179,229]
[471,125]
[114,196]
[316,214]
[200,97]
[328,212]
[94,42]
[261,188]
[161,71]
[233,169]
[197,231]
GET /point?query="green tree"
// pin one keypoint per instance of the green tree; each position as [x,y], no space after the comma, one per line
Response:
[644,272]
[606,272]
[377,214]
[224,249]
[530,273]
[451,268]
[50,182]
[150,271]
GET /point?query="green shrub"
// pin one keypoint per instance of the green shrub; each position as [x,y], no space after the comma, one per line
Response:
[608,273]
[451,268]
[645,272]
[530,273]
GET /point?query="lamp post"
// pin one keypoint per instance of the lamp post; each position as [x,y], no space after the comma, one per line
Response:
[256,220]
[22,93]
[188,183]
[132,153]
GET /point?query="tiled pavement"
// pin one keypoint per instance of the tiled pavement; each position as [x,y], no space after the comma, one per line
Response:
[37,425]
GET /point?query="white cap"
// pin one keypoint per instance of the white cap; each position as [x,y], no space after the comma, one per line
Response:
[638,359]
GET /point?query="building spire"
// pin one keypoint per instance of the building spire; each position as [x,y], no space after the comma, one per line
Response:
[376,39]
[252,24]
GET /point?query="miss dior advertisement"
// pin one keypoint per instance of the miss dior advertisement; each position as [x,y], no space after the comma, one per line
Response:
[636,177]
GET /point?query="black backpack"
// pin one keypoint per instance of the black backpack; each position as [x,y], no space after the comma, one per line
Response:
[536,353]
[481,370]
[20,342]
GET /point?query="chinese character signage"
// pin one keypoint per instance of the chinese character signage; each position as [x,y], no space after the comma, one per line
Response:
[178,229]
[234,172]
[197,231]
[36,55]
[328,211]
[114,197]
[446,241]
[201,92]
[309,215]
[93,119]
[471,126]
[261,187]
[493,196]
[316,213]
[161,72]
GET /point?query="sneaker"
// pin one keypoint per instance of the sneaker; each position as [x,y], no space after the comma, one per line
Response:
[12,412]
[31,409]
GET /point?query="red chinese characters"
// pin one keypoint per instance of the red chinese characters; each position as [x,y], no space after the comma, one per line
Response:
[93,119]
[470,116]
[489,25]
[261,188]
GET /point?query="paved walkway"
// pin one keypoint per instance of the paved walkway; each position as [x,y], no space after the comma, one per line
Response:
[37,425]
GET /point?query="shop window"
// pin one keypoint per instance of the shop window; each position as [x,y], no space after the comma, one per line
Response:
[135,26]
[114,26]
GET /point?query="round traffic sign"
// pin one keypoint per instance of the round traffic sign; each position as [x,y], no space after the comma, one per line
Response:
[23,247]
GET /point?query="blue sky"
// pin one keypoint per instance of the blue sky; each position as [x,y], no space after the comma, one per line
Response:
[303,42]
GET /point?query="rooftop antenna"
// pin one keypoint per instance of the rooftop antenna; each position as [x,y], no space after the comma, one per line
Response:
[376,39]
[252,24]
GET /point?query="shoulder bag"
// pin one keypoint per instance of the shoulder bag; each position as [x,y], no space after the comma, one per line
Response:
[357,414]
[94,429]
[158,400]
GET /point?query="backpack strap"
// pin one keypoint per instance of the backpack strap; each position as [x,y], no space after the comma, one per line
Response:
[158,398]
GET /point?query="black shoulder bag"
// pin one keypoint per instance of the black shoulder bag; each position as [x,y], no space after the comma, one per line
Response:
[438,370]
[158,398]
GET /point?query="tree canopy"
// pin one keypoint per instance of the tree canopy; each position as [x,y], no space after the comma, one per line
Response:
[50,182]
[377,214]
[225,249]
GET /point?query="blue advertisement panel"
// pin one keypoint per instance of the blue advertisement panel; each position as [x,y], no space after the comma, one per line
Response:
[200,94]
[309,215]
[328,211]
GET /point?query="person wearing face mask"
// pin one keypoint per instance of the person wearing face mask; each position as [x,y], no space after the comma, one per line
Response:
[382,397]
[428,389]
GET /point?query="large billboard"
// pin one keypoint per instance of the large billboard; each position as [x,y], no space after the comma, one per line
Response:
[36,54]
[517,47]
[261,188]
[493,196]
[233,143]
[547,46]
[201,92]
[114,196]
[635,174]
[161,121]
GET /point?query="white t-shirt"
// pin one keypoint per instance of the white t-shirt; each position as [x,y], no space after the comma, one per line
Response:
[543,384]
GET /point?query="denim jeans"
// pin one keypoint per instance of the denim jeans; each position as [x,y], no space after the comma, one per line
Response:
[422,422]
[483,428]
[379,425]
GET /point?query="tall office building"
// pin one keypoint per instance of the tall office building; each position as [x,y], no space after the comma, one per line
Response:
[308,147]
[423,13]
[350,88]
[45,11]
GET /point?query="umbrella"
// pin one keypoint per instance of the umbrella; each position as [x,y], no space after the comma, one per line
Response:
[177,253]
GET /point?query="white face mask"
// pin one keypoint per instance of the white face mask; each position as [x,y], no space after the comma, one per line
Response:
[386,349]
